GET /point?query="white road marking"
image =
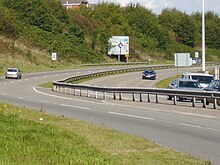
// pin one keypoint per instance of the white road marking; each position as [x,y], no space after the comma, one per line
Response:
[115,113]
[134,116]
[196,126]
[20,97]
[61,97]
[65,105]
[45,102]
[45,76]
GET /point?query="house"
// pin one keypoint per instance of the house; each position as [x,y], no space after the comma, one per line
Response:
[74,4]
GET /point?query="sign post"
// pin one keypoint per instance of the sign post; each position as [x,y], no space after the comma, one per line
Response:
[54,56]
[118,45]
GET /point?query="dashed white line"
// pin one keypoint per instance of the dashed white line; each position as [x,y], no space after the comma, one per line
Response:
[190,125]
[45,102]
[65,105]
[133,116]
[20,97]
[196,126]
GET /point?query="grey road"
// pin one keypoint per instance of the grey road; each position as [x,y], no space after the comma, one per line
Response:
[191,130]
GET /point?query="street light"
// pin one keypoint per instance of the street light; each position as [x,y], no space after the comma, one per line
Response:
[203,35]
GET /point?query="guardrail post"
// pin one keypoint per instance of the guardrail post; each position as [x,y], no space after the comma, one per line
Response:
[174,100]
[104,95]
[204,103]
[87,93]
[114,97]
[214,103]
[119,96]
[156,98]
[140,97]
[148,98]
[74,92]
[193,101]
[80,92]
[96,94]
[133,96]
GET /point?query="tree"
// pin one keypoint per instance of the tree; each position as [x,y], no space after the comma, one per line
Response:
[183,26]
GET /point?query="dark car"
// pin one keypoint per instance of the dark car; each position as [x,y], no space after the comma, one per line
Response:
[215,87]
[184,84]
[149,74]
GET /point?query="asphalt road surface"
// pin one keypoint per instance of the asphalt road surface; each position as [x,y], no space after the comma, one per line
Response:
[191,130]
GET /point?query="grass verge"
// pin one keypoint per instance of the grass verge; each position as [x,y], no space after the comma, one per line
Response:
[165,82]
[33,137]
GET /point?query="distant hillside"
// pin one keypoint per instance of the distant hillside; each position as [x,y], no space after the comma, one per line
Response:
[32,29]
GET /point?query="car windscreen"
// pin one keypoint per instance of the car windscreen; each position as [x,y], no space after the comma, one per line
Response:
[149,72]
[189,84]
[203,79]
[12,70]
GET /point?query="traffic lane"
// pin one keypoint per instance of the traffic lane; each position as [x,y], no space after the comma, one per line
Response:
[65,106]
[197,142]
[54,75]
[41,97]
[134,79]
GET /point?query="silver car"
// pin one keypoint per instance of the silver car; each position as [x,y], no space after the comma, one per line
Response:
[184,84]
[13,73]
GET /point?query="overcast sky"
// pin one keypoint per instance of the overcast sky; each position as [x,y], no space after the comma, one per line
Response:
[188,6]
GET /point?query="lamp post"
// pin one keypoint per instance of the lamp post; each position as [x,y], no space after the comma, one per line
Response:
[203,35]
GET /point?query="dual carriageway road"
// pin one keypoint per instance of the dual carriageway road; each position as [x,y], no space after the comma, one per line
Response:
[187,129]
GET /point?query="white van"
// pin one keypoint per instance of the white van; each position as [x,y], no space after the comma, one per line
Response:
[202,78]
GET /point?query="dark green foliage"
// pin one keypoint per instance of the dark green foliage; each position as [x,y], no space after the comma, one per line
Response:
[46,24]
[45,14]
[213,30]
[82,35]
[6,28]
[181,24]
[148,26]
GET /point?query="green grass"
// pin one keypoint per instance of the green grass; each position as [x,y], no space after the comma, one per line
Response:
[32,137]
[165,82]
[47,85]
